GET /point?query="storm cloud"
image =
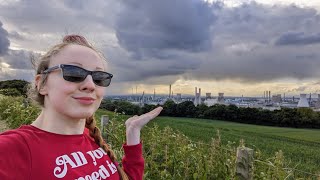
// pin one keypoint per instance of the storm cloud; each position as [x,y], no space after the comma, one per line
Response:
[145,28]
[4,41]
[298,38]
[239,44]
[160,42]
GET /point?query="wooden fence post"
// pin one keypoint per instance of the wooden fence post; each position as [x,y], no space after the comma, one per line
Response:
[103,123]
[244,163]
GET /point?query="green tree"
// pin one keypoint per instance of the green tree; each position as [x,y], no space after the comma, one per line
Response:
[20,85]
[186,109]
[169,108]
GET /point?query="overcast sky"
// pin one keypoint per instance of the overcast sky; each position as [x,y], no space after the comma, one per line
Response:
[239,47]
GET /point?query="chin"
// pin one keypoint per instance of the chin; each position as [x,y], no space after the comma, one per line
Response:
[82,115]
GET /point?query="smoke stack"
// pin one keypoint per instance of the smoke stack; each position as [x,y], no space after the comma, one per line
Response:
[269,96]
[170,91]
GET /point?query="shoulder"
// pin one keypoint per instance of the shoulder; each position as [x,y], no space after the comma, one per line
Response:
[14,139]
[14,154]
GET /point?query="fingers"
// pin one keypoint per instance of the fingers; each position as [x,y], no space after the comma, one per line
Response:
[145,118]
[154,113]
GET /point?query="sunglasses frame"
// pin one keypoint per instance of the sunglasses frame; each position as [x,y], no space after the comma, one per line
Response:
[61,66]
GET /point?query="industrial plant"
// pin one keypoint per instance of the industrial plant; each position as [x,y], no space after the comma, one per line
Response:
[266,101]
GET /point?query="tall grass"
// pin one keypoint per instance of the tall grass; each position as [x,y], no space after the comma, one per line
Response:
[169,154]
[300,146]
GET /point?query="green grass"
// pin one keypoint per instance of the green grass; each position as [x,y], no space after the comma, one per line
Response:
[300,146]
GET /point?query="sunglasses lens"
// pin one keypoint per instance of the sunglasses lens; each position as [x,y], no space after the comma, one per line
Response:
[73,73]
[76,74]
[101,78]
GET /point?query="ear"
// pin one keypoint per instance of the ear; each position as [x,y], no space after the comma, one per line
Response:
[42,88]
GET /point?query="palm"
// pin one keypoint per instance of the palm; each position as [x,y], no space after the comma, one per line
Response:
[137,122]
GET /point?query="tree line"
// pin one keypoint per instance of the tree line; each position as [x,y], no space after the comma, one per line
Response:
[285,117]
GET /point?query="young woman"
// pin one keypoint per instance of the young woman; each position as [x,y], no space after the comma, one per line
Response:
[64,142]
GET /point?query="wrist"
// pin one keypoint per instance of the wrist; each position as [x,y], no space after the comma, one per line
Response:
[133,137]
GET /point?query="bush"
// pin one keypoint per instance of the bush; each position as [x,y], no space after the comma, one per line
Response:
[17,111]
[10,92]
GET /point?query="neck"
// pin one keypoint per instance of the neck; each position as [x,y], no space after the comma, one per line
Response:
[59,124]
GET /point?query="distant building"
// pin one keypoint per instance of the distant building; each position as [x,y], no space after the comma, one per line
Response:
[317,104]
[276,98]
[208,95]
[221,98]
[178,96]
[210,102]
[197,98]
[303,102]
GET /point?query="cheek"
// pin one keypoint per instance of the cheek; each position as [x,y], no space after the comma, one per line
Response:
[100,92]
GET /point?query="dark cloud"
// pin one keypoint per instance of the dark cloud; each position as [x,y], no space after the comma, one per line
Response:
[4,41]
[298,38]
[24,74]
[16,35]
[145,28]
[125,69]
[18,59]
[261,65]
[182,38]
[33,16]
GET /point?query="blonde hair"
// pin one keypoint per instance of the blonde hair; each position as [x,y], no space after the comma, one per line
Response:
[42,64]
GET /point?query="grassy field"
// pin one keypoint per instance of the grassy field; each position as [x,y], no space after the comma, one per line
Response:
[300,146]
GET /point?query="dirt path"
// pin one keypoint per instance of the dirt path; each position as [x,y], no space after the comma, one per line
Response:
[3,126]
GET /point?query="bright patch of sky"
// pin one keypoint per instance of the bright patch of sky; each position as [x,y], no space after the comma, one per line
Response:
[300,3]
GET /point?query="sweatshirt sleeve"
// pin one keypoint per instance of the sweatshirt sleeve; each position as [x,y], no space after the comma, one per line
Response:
[15,161]
[133,161]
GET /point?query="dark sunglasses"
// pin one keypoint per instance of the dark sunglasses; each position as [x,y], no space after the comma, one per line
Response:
[77,74]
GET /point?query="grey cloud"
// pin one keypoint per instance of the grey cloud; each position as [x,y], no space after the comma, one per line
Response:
[162,41]
[4,41]
[33,16]
[16,35]
[16,74]
[75,4]
[18,59]
[297,38]
[261,65]
[242,49]
[147,27]
[126,69]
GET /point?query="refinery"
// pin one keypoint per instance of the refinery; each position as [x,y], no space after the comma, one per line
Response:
[266,101]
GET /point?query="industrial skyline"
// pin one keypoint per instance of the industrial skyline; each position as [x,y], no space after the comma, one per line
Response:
[239,47]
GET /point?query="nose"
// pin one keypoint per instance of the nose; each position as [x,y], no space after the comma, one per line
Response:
[88,84]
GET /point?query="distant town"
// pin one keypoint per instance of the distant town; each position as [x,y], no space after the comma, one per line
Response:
[266,101]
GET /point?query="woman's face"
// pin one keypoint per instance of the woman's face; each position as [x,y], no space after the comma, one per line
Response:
[73,100]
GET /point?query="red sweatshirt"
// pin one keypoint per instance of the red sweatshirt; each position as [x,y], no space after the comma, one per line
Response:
[31,153]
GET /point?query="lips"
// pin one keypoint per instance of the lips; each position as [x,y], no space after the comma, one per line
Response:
[85,100]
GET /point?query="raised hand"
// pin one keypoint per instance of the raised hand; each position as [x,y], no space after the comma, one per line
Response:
[136,123]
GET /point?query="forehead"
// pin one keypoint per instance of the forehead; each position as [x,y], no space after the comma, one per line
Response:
[78,55]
